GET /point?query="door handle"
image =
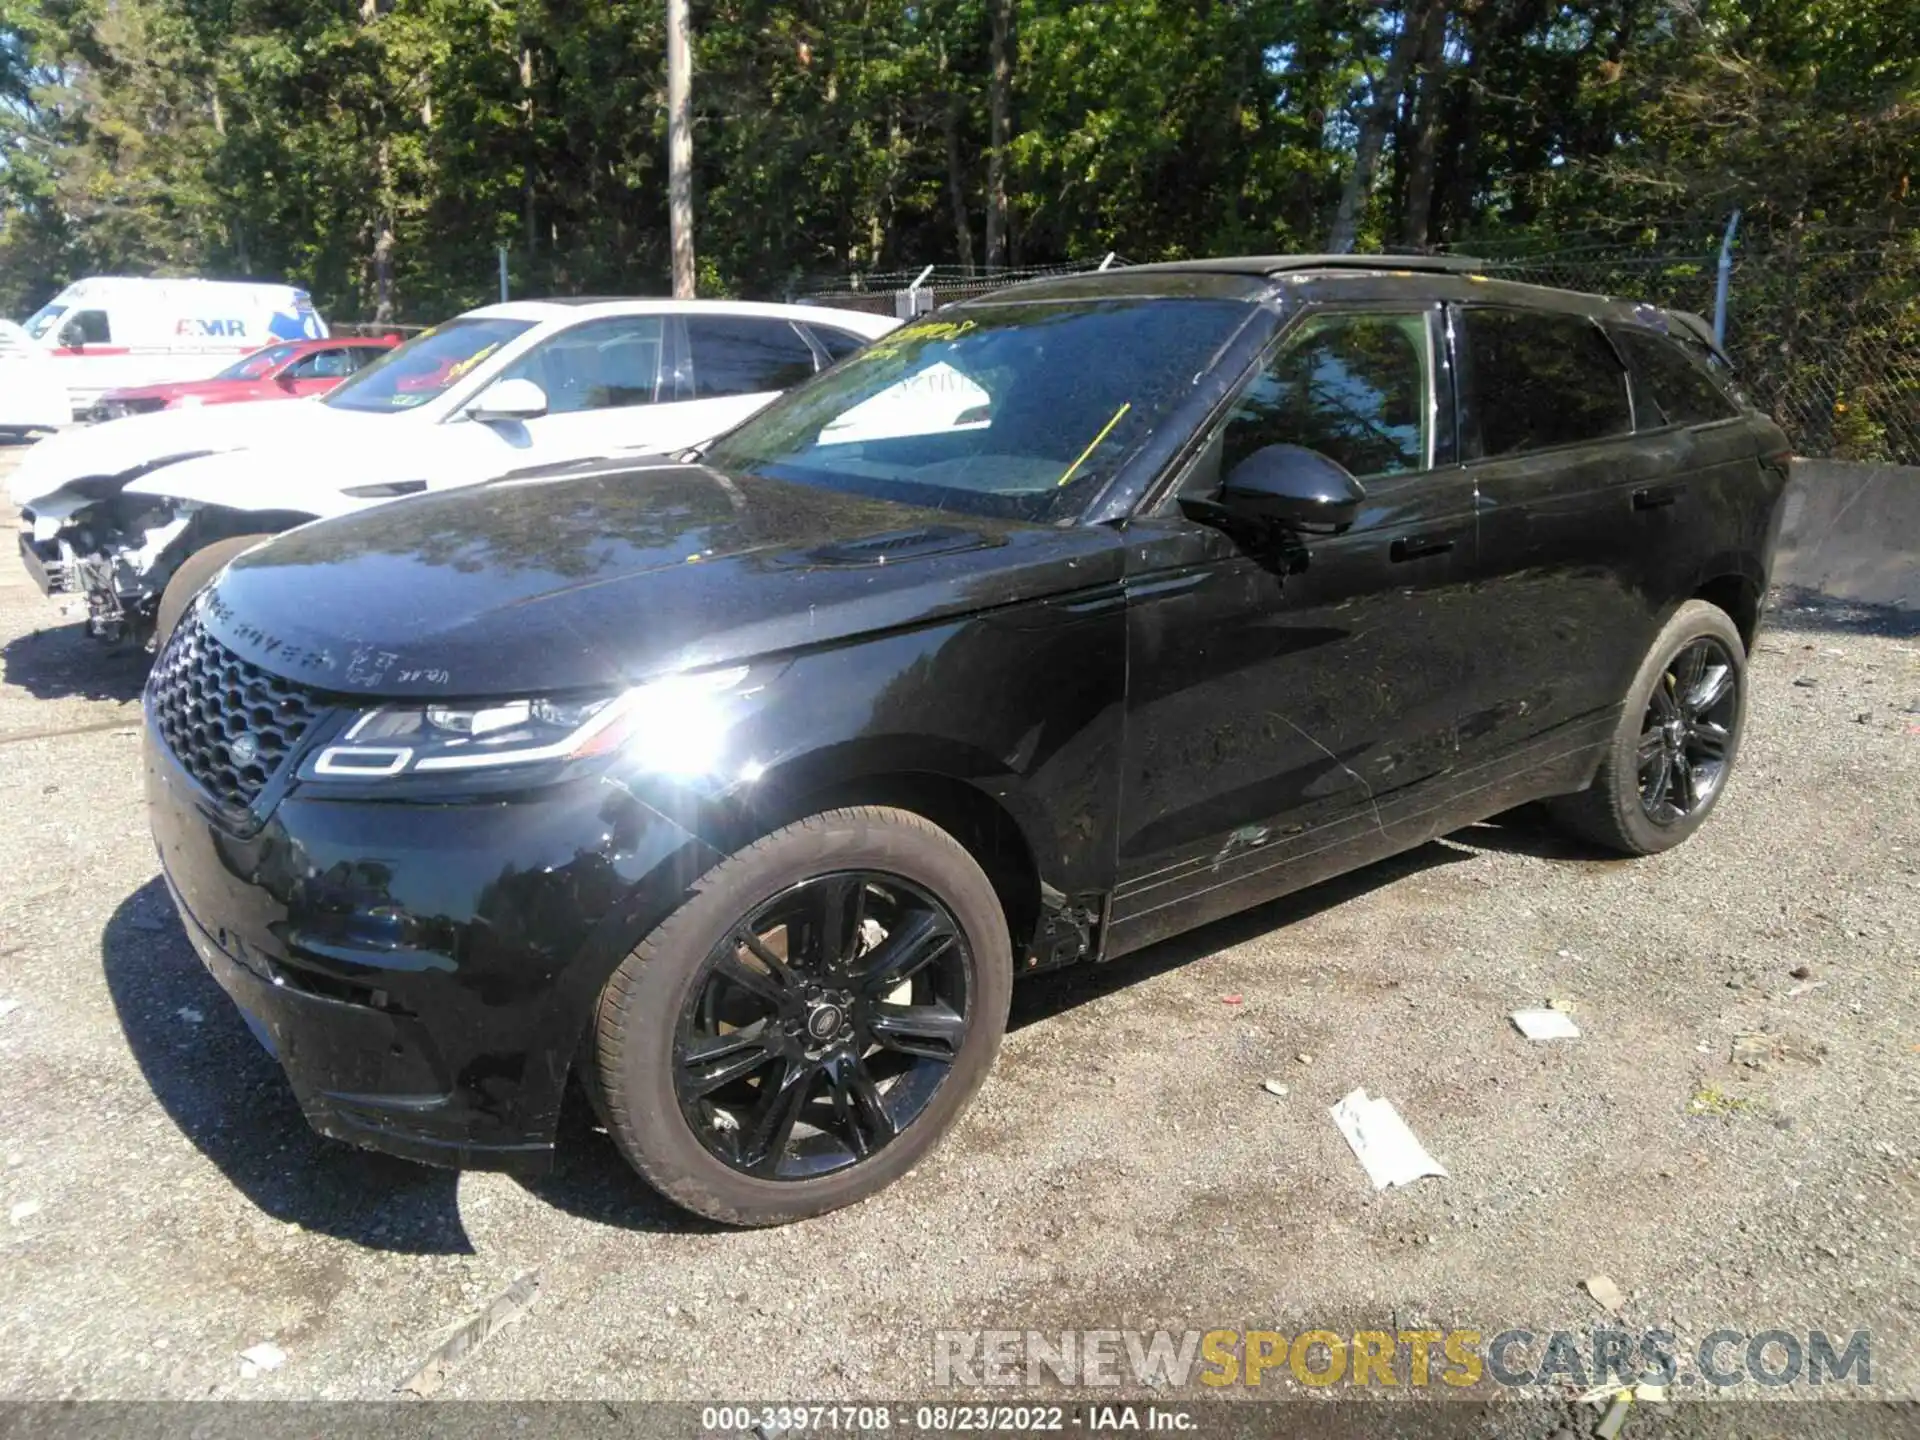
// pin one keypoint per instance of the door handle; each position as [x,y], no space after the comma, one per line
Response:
[1655,499]
[1416,547]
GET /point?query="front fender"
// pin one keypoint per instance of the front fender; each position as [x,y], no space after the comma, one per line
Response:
[1020,708]
[246,482]
[111,453]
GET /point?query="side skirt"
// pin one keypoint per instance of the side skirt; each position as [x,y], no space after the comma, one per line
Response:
[1207,888]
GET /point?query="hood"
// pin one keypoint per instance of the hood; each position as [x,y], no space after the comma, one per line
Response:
[180,389]
[616,575]
[116,449]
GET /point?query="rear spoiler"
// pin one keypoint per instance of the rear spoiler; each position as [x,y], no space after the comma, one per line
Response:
[1702,330]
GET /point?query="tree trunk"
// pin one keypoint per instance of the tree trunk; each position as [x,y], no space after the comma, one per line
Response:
[528,217]
[1425,123]
[383,239]
[680,146]
[236,227]
[950,112]
[1000,125]
[1374,125]
[1463,125]
[957,190]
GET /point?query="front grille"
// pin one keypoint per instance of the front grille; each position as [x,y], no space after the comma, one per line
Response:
[204,699]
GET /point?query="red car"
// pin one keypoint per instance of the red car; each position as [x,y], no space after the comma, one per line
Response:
[279,372]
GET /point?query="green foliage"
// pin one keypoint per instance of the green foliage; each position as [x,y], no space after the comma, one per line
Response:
[378,151]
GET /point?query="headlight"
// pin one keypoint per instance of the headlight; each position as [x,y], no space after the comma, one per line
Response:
[675,723]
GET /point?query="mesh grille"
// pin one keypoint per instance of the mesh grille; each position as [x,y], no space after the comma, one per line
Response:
[204,699]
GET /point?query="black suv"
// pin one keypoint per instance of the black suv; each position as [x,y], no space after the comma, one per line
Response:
[742,786]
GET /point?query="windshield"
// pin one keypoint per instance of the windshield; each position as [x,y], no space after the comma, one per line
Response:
[43,320]
[426,366]
[256,364]
[1020,410]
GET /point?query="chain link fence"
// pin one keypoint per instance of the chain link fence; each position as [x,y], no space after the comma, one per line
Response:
[1824,331]
[906,293]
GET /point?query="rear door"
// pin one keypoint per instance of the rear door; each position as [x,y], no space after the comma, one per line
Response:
[318,372]
[1689,523]
[1547,434]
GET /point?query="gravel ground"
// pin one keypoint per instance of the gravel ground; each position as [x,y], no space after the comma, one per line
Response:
[1123,1167]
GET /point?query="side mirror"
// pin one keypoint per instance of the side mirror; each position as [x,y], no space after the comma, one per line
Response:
[1293,486]
[72,336]
[511,399]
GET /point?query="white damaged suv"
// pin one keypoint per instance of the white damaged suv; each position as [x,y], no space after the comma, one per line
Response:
[139,513]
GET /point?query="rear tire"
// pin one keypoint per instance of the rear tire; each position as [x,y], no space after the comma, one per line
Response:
[190,577]
[844,1072]
[1674,747]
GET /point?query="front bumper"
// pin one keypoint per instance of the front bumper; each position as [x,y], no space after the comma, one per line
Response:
[423,973]
[49,564]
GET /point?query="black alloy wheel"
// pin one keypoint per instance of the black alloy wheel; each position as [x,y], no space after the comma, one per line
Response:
[1674,742]
[822,1025]
[1686,737]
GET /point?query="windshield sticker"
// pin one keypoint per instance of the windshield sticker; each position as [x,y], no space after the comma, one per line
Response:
[1105,430]
[460,367]
[888,346]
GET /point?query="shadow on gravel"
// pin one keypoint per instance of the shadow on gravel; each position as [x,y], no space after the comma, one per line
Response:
[1794,610]
[61,663]
[590,1180]
[232,1101]
[1046,996]
[1528,831]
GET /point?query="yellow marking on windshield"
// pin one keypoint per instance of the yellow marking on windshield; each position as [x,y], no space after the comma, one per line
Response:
[1105,430]
[895,342]
[460,368]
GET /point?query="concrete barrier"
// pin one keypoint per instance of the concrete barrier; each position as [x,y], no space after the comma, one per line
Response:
[1852,532]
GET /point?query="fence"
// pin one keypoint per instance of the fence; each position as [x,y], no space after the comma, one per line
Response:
[1825,335]
[912,292]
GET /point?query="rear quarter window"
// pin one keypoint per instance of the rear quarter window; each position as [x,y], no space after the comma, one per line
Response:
[837,343]
[1669,381]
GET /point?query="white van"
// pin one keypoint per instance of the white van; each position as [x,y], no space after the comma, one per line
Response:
[109,332]
[31,395]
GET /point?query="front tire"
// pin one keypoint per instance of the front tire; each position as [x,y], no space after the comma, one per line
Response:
[1673,750]
[190,577]
[807,1026]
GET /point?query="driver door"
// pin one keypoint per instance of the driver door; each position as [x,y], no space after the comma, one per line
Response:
[604,381]
[1292,699]
[317,372]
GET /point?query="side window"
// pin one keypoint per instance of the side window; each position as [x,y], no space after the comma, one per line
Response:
[322,365]
[1354,387]
[1670,385]
[87,327]
[1535,380]
[601,365]
[740,355]
[837,343]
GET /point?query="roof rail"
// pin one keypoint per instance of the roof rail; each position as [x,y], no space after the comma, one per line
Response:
[1280,264]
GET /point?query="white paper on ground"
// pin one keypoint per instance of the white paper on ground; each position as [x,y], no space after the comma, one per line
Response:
[1545,1024]
[1382,1142]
